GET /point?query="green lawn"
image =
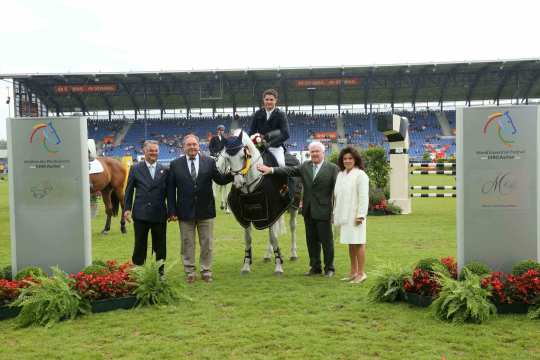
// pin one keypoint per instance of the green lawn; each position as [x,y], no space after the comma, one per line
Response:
[261,316]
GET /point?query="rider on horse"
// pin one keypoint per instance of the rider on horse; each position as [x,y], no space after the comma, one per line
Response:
[271,123]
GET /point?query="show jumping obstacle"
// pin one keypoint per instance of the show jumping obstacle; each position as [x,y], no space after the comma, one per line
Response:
[432,165]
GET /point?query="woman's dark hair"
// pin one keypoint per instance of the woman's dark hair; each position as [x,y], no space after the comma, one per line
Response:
[358,162]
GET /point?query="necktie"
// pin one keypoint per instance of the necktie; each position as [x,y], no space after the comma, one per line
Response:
[152,171]
[193,171]
[314,171]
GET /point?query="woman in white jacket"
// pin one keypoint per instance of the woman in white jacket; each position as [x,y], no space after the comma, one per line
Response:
[351,195]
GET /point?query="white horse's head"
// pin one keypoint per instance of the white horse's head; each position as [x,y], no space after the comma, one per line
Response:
[240,155]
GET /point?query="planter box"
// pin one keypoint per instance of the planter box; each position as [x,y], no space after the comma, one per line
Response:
[514,308]
[418,300]
[104,305]
[7,312]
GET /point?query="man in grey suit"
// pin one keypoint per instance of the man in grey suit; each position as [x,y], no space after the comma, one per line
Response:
[318,178]
[147,180]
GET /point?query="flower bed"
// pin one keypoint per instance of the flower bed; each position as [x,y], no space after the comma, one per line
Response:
[9,291]
[418,300]
[513,293]
[127,302]
[103,286]
[112,281]
[474,297]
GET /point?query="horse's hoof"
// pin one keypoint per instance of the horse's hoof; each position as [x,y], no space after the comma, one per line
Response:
[105,232]
[124,231]
[293,258]
[245,271]
[278,272]
[267,259]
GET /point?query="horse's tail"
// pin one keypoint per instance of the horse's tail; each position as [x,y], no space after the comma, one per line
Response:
[115,203]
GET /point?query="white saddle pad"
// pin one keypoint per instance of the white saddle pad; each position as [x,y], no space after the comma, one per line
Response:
[95,167]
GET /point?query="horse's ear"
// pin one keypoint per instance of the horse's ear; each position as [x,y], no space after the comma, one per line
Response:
[240,136]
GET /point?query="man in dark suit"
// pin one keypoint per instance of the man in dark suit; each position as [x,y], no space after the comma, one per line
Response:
[217,142]
[318,178]
[191,200]
[148,180]
[272,123]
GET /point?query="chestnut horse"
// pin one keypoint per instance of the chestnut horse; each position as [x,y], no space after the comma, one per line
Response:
[110,183]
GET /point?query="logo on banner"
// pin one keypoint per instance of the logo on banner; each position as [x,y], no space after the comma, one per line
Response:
[48,136]
[506,129]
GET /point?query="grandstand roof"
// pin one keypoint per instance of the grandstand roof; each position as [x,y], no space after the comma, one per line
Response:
[407,83]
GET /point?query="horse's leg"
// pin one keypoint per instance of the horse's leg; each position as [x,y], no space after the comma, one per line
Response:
[246,268]
[269,248]
[106,195]
[292,224]
[218,192]
[277,252]
[224,199]
[120,195]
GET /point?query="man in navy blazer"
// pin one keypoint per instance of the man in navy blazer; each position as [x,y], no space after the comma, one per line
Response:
[148,180]
[191,201]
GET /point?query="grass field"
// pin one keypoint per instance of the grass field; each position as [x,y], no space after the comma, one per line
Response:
[261,316]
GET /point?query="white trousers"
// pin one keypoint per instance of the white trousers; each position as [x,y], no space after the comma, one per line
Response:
[279,154]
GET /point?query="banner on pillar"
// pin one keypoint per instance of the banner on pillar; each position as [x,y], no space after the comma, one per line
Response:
[497,182]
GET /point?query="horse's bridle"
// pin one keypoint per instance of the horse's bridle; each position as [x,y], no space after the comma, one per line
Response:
[245,167]
[247,164]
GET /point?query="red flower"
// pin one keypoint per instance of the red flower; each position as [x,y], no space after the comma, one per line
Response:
[10,289]
[423,283]
[113,283]
[451,264]
[506,289]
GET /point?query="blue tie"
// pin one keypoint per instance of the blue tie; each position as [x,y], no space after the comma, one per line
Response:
[152,171]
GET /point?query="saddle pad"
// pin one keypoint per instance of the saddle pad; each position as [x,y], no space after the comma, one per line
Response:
[95,167]
[254,206]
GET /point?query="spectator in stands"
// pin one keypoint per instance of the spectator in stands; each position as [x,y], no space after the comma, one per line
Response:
[272,123]
[217,142]
[351,199]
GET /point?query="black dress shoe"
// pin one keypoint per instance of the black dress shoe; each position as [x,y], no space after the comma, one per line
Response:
[313,272]
[329,273]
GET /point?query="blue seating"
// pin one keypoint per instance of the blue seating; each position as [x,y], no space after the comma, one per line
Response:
[360,130]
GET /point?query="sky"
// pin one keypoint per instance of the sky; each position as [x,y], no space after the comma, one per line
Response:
[39,36]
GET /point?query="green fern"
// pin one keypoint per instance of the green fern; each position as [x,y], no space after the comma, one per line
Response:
[95,269]
[534,312]
[49,300]
[427,264]
[5,273]
[388,283]
[32,271]
[477,268]
[522,267]
[463,301]
[151,288]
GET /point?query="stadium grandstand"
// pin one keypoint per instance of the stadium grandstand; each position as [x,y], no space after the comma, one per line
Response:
[337,105]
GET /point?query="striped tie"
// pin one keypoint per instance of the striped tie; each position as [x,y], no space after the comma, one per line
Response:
[193,171]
